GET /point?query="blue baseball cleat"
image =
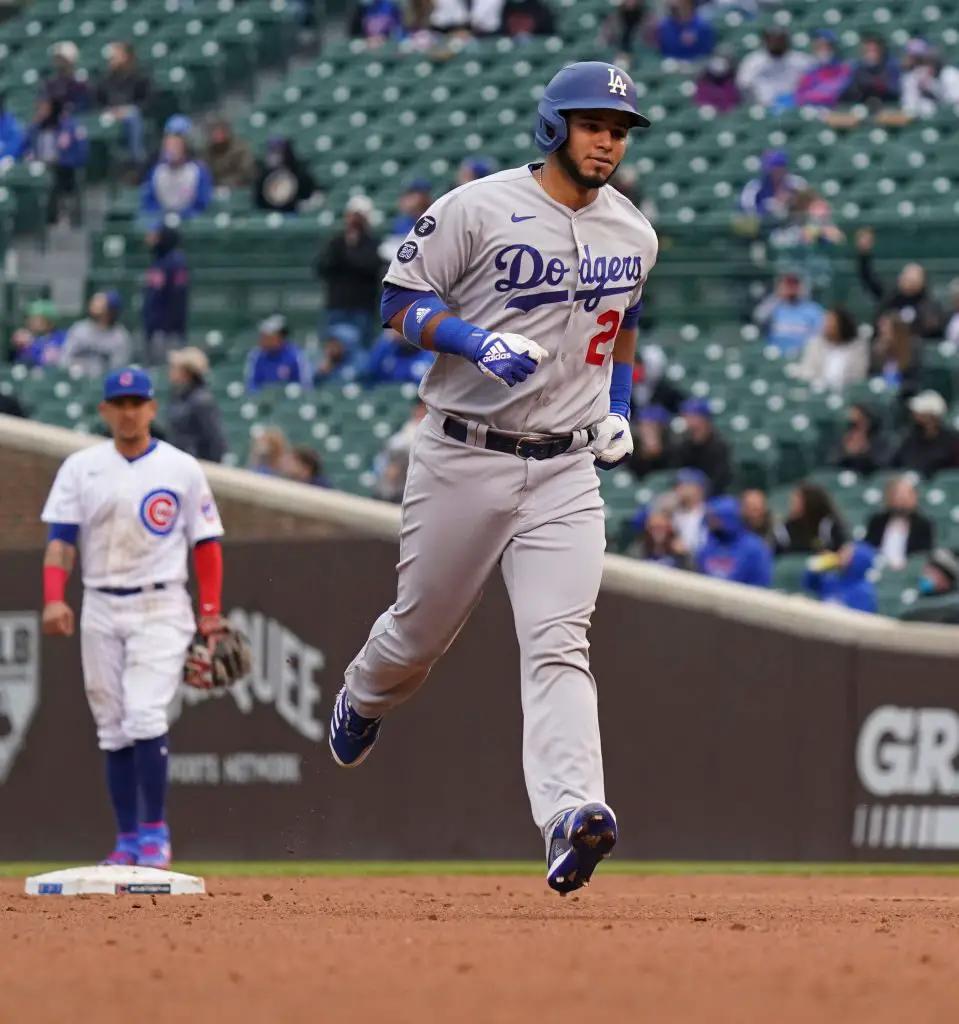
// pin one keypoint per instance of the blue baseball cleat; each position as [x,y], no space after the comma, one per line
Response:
[579,842]
[155,849]
[351,735]
[126,853]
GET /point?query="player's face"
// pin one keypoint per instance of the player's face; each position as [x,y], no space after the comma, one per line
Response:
[595,147]
[129,419]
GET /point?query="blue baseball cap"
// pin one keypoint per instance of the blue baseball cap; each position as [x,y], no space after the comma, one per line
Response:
[478,165]
[693,476]
[178,124]
[654,413]
[775,158]
[696,407]
[127,382]
[418,185]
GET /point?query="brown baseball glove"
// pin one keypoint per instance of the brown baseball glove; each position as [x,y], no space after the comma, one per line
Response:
[218,656]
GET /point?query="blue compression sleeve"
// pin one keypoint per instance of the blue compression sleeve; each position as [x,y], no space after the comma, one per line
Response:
[396,299]
[631,319]
[621,389]
[66,532]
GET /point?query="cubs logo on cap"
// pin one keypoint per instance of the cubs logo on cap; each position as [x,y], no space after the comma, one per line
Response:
[159,511]
[127,382]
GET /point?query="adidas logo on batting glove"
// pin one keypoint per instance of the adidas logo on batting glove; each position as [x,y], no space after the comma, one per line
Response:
[509,358]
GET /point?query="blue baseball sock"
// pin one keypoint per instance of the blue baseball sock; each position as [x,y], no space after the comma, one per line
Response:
[152,764]
[122,783]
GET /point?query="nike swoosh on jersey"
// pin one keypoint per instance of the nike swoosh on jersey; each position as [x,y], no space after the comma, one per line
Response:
[519,220]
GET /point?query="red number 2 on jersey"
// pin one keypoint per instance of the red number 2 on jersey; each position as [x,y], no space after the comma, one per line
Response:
[600,345]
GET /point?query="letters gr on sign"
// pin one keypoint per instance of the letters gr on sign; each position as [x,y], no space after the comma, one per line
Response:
[907,757]
[19,683]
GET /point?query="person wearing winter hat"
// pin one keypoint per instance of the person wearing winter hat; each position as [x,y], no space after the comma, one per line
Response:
[98,343]
[938,587]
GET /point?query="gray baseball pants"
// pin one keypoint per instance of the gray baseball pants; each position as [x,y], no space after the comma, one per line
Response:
[465,509]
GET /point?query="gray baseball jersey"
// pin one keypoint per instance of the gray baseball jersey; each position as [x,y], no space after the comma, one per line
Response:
[504,255]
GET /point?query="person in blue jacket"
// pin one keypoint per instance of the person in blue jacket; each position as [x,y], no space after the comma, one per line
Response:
[683,34]
[166,294]
[177,184]
[393,360]
[843,578]
[58,141]
[731,551]
[11,132]
[276,360]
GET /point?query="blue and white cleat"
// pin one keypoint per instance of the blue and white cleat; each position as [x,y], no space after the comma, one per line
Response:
[579,842]
[351,735]
[126,853]
[155,849]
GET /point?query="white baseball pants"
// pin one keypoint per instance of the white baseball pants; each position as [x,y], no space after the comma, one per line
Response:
[133,648]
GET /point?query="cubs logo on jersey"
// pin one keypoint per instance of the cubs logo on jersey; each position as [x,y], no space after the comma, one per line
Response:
[159,510]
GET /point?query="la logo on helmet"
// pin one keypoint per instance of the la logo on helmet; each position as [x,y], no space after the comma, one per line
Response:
[616,83]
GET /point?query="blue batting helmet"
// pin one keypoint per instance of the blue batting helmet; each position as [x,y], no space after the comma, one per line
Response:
[588,85]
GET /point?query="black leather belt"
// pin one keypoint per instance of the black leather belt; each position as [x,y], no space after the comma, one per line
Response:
[525,446]
[129,591]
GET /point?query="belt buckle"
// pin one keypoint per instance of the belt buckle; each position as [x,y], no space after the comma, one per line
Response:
[527,440]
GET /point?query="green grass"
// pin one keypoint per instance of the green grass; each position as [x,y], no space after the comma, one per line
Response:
[348,869]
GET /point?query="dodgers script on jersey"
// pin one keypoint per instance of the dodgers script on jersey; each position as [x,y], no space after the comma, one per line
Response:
[136,518]
[501,253]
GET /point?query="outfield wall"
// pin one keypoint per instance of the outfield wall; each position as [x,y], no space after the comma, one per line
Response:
[737,724]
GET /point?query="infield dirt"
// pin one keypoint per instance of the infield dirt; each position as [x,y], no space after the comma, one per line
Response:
[475,949]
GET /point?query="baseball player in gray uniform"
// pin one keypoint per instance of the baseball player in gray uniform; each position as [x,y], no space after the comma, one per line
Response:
[527,285]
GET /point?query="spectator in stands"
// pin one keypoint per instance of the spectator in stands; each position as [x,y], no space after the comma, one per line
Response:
[864,447]
[276,360]
[702,447]
[392,464]
[900,530]
[652,442]
[466,17]
[125,91]
[524,19]
[10,405]
[876,77]
[39,342]
[166,295]
[686,506]
[732,552]
[910,296]
[716,85]
[657,540]
[825,82]
[790,319]
[682,34]
[897,355]
[473,168]
[930,84]
[843,578]
[412,204]
[837,356]
[769,197]
[98,343]
[394,360]
[58,141]
[377,21]
[269,452]
[193,419]
[952,327]
[341,356]
[651,385]
[352,270]
[938,588]
[807,241]
[929,445]
[626,181]
[813,523]
[229,157]
[282,184]
[63,86]
[622,27]
[756,516]
[770,77]
[304,465]
[178,184]
[11,132]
